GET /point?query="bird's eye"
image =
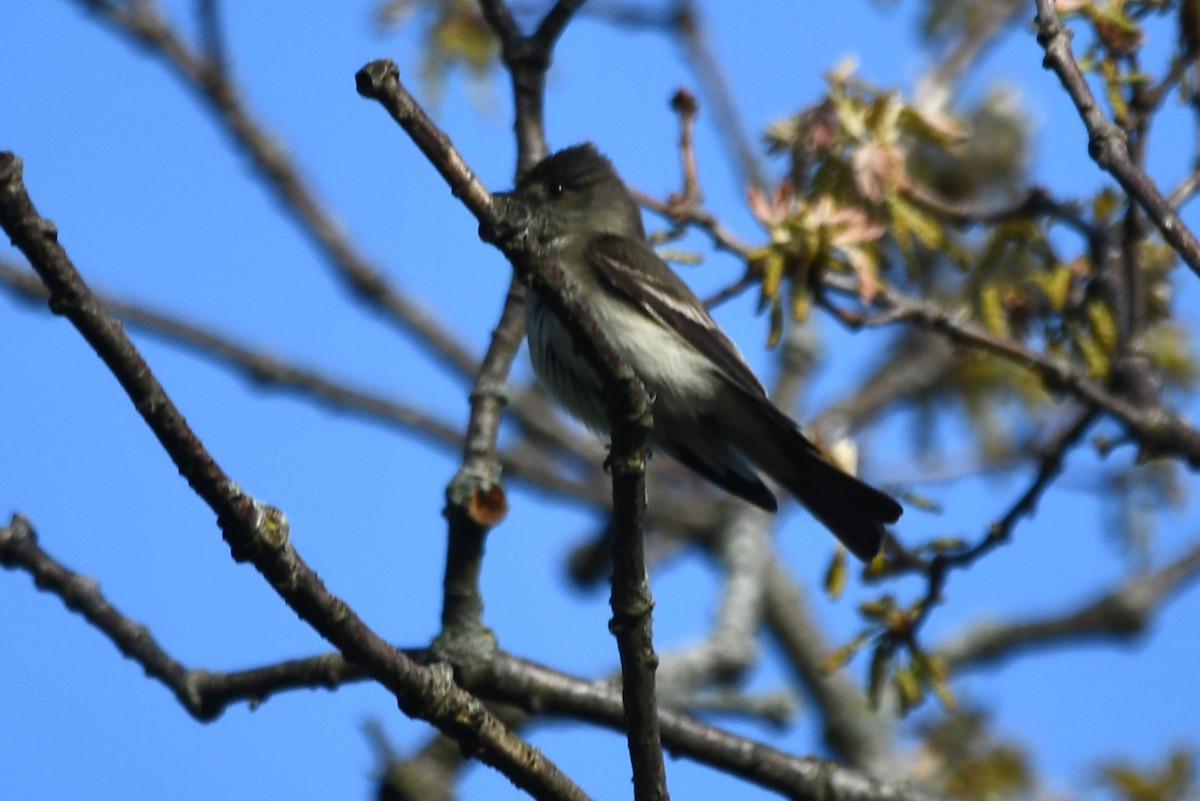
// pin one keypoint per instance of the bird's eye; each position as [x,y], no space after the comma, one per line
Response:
[556,190]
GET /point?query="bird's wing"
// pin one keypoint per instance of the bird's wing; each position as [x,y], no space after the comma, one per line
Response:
[635,270]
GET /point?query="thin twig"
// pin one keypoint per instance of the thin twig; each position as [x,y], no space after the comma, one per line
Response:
[1036,203]
[684,104]
[980,32]
[204,694]
[689,28]
[554,23]
[212,38]
[722,237]
[937,569]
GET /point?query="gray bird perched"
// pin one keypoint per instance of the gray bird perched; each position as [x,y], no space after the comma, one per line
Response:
[710,412]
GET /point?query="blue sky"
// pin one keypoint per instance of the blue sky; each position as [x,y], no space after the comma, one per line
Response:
[153,205]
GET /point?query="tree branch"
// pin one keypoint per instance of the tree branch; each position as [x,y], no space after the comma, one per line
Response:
[268,371]
[475,500]
[1157,429]
[1107,143]
[509,679]
[366,280]
[1121,614]
[629,415]
[937,568]
[549,691]
[204,694]
[688,27]
[258,533]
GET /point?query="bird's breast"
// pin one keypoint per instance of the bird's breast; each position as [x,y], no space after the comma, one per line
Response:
[679,378]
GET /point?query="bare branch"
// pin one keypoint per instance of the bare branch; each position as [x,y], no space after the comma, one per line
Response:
[688,27]
[1036,203]
[259,533]
[208,14]
[629,417]
[1107,143]
[937,569]
[1123,613]
[681,20]
[527,59]
[513,680]
[204,694]
[337,394]
[722,237]
[740,543]
[1156,428]
[555,22]
[986,21]
[283,178]
[475,497]
[525,683]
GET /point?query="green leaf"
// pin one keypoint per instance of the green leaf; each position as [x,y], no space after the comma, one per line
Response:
[835,574]
[845,653]
[1105,205]
[991,310]
[878,610]
[776,331]
[1094,358]
[801,302]
[881,661]
[908,219]
[1104,326]
[908,688]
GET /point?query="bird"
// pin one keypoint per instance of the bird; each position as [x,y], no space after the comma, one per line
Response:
[709,410]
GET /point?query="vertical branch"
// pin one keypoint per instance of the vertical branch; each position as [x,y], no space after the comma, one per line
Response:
[716,89]
[475,500]
[631,600]
[212,39]
[629,415]
[684,104]
[527,59]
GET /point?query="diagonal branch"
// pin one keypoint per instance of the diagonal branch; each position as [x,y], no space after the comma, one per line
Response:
[204,694]
[259,533]
[269,371]
[525,683]
[1107,143]
[1157,429]
[937,569]
[207,78]
[1120,614]
[554,23]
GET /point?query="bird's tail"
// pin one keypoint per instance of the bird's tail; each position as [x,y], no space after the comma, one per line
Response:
[853,510]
